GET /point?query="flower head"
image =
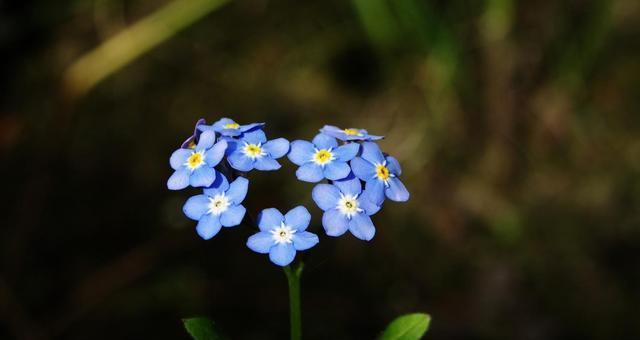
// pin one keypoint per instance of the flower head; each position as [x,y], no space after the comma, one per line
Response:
[281,236]
[252,151]
[191,142]
[346,207]
[380,174]
[349,134]
[195,166]
[322,158]
[218,206]
[229,128]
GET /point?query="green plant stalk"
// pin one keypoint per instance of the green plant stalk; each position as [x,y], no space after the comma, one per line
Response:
[293,279]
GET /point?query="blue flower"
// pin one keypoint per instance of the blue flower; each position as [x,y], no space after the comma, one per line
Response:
[228,128]
[191,142]
[252,151]
[350,134]
[346,207]
[380,174]
[281,236]
[322,158]
[218,206]
[195,166]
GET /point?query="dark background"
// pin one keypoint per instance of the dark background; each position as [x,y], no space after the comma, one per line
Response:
[516,123]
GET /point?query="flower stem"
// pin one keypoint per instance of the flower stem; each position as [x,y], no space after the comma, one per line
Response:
[293,278]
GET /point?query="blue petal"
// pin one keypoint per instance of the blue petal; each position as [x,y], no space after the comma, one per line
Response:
[220,184]
[322,141]
[396,191]
[346,152]
[301,152]
[269,219]
[304,240]
[250,127]
[260,242]
[336,170]
[329,129]
[362,227]
[334,222]
[206,141]
[238,190]
[179,157]
[276,148]
[202,177]
[298,218]
[375,190]
[363,169]
[326,196]
[254,137]
[350,185]
[369,203]
[240,162]
[232,216]
[179,179]
[219,125]
[208,226]
[310,172]
[266,163]
[282,254]
[214,155]
[371,152]
[374,137]
[230,132]
[196,206]
[394,166]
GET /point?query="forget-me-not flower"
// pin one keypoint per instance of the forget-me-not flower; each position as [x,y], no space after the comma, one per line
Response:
[195,166]
[218,206]
[281,236]
[346,207]
[191,142]
[322,158]
[380,174]
[349,134]
[252,151]
[229,128]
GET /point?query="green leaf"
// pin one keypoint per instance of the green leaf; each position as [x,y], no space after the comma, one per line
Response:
[201,328]
[407,327]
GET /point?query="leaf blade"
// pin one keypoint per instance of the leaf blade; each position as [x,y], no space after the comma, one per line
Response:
[201,328]
[407,327]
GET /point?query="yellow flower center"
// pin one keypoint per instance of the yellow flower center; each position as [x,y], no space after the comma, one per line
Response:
[253,151]
[231,126]
[195,160]
[322,157]
[382,172]
[352,132]
[192,145]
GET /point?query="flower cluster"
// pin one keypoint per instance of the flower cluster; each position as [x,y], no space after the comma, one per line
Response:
[217,158]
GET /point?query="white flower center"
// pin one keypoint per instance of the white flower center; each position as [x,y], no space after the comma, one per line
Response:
[282,234]
[348,205]
[195,160]
[218,204]
[323,156]
[253,151]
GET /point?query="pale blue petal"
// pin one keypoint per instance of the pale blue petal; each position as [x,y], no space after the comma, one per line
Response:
[179,157]
[269,219]
[334,222]
[202,177]
[282,254]
[336,170]
[238,190]
[250,127]
[240,162]
[179,179]
[328,129]
[363,169]
[219,125]
[350,185]
[301,152]
[322,141]
[310,172]
[207,138]
[266,163]
[396,191]
[375,190]
[214,155]
[232,216]
[208,226]
[374,137]
[346,152]
[371,152]
[276,148]
[298,218]
[196,206]
[254,137]
[394,166]
[362,227]
[326,196]
[304,240]
[260,242]
[220,184]
[369,203]
[230,132]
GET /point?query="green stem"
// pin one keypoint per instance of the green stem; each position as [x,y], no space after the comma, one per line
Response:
[293,278]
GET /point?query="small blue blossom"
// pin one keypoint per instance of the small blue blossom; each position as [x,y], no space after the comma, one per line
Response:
[219,206]
[229,128]
[322,158]
[346,207]
[380,174]
[191,142]
[349,134]
[281,236]
[252,151]
[195,166]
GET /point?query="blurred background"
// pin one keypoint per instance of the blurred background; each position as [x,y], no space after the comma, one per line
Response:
[516,123]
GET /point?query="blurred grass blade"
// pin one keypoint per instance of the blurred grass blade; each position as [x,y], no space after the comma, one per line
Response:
[407,327]
[201,328]
[126,46]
